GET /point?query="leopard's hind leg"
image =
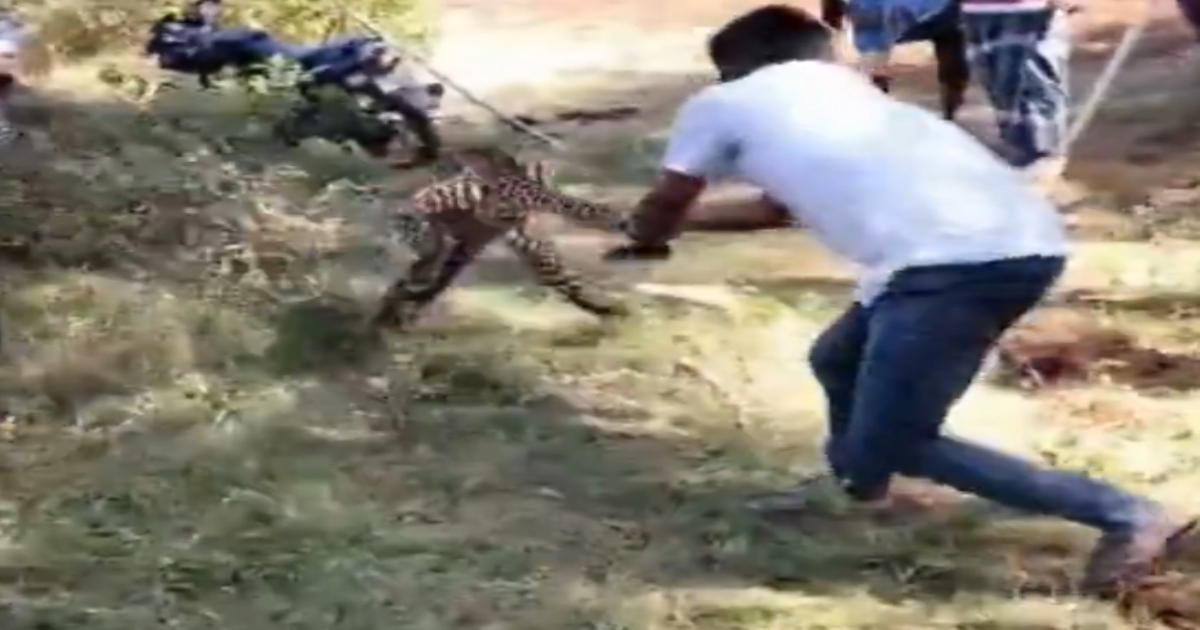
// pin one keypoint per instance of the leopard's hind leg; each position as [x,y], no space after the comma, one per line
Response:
[546,263]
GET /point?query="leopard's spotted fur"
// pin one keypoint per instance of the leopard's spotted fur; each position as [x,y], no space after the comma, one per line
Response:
[487,194]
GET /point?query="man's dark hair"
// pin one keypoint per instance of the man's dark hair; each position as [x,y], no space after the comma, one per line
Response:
[770,34]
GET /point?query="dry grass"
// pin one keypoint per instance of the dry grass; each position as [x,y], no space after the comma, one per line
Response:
[200,435]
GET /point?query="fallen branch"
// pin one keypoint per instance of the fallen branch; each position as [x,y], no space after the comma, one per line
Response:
[729,397]
[1091,104]
[714,296]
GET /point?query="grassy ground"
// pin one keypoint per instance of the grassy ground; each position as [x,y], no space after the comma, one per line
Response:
[200,435]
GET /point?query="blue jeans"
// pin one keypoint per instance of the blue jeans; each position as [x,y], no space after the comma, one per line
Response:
[891,372]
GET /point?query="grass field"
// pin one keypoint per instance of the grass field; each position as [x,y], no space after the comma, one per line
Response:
[199,434]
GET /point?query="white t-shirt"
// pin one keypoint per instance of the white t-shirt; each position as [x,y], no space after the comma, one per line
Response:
[884,183]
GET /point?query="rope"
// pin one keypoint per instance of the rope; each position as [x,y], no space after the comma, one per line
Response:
[1091,105]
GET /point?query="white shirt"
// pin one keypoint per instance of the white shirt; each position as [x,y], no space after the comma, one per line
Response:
[883,183]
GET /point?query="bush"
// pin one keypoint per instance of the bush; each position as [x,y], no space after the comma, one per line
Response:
[82,28]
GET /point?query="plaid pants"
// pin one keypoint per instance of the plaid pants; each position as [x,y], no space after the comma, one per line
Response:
[1021,60]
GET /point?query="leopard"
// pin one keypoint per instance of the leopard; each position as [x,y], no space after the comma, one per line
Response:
[481,194]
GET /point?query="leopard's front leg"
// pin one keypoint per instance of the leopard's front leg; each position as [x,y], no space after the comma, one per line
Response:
[546,263]
[432,246]
[434,271]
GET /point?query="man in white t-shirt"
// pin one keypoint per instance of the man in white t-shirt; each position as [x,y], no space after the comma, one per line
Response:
[955,247]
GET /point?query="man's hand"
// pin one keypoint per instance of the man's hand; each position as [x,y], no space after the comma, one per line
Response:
[657,218]
[633,251]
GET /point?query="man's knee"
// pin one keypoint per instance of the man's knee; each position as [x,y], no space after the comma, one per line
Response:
[832,362]
[835,356]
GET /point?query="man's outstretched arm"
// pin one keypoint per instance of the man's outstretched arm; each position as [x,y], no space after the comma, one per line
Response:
[662,210]
[696,151]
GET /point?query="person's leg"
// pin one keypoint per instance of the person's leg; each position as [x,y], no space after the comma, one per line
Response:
[927,336]
[1019,59]
[953,70]
[993,63]
[834,359]
[1042,105]
[927,339]
[944,32]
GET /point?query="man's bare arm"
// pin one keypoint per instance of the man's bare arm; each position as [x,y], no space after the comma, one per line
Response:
[661,212]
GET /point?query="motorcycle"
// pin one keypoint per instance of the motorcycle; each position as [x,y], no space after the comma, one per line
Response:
[390,106]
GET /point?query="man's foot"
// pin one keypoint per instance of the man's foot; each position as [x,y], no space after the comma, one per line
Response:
[1121,561]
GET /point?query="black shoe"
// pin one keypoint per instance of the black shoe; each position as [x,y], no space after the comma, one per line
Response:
[1121,561]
